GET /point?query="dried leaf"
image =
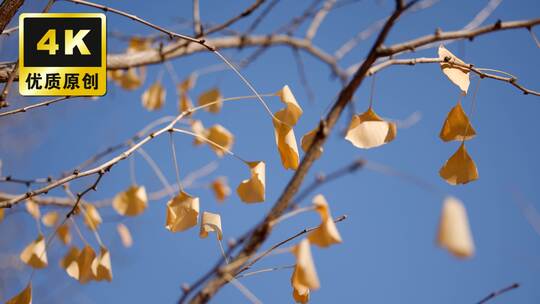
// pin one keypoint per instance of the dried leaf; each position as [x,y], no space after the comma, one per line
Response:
[308,138]
[34,254]
[33,209]
[460,168]
[304,275]
[457,74]
[198,128]
[368,130]
[131,79]
[220,188]
[154,97]
[327,234]
[63,234]
[457,125]
[222,137]
[210,222]
[70,257]
[184,103]
[81,268]
[187,84]
[211,96]
[125,235]
[24,297]
[50,218]
[252,190]
[101,266]
[454,233]
[301,295]
[139,44]
[292,111]
[1,214]
[284,121]
[92,219]
[182,212]
[131,202]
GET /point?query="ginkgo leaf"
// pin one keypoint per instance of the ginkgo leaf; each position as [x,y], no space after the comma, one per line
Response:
[131,79]
[301,295]
[457,74]
[63,234]
[212,96]
[368,130]
[459,168]
[284,121]
[92,219]
[81,268]
[34,254]
[304,274]
[33,209]
[154,97]
[210,222]
[101,266]
[457,125]
[292,111]
[222,137]
[252,190]
[454,233]
[125,235]
[182,212]
[1,214]
[308,138]
[139,44]
[70,257]
[24,297]
[50,219]
[198,128]
[220,188]
[131,202]
[184,103]
[327,234]
[187,84]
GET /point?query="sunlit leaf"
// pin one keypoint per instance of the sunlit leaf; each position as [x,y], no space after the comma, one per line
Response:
[33,209]
[304,277]
[131,202]
[368,130]
[454,233]
[220,188]
[125,235]
[210,222]
[101,266]
[284,121]
[184,103]
[2,213]
[457,125]
[327,234]
[70,257]
[81,268]
[50,219]
[139,44]
[24,297]
[292,111]
[457,74]
[187,84]
[182,212]
[34,254]
[459,168]
[63,234]
[300,294]
[198,128]
[92,219]
[222,137]
[154,97]
[212,96]
[131,79]
[308,138]
[252,190]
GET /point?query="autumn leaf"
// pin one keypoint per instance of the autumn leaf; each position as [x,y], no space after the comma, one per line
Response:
[252,190]
[34,254]
[130,79]
[212,96]
[50,218]
[284,121]
[220,188]
[457,125]
[125,235]
[182,212]
[24,297]
[81,268]
[63,234]
[131,202]
[101,266]
[327,234]
[368,130]
[459,168]
[304,277]
[197,127]
[222,137]
[454,233]
[308,138]
[457,74]
[139,44]
[210,222]
[70,257]
[92,219]
[184,103]
[33,209]
[2,214]
[154,97]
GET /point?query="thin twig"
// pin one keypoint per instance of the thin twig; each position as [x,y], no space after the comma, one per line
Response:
[498,293]
[36,105]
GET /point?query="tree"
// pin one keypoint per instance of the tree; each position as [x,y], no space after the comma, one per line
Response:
[70,198]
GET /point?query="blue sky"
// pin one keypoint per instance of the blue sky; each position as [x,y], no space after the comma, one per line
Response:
[388,254]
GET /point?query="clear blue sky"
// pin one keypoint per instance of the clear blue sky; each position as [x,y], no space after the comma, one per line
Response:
[388,254]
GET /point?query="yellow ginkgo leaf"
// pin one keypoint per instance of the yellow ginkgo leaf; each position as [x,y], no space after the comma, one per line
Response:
[154,97]
[454,233]
[187,84]
[92,219]
[308,138]
[286,143]
[33,209]
[292,111]
[457,74]
[63,234]
[101,266]
[210,222]
[304,274]
[221,137]
[132,79]
[125,235]
[327,234]
[300,295]
[70,257]
[457,125]
[368,130]
[81,268]
[139,44]
[198,128]
[50,219]
[131,202]
[24,297]
[34,254]
[252,190]
[184,103]
[212,96]
[1,214]
[182,212]
[220,188]
[460,168]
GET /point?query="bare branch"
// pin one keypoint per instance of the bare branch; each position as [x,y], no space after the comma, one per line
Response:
[318,19]
[8,9]
[197,27]
[498,293]
[36,105]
